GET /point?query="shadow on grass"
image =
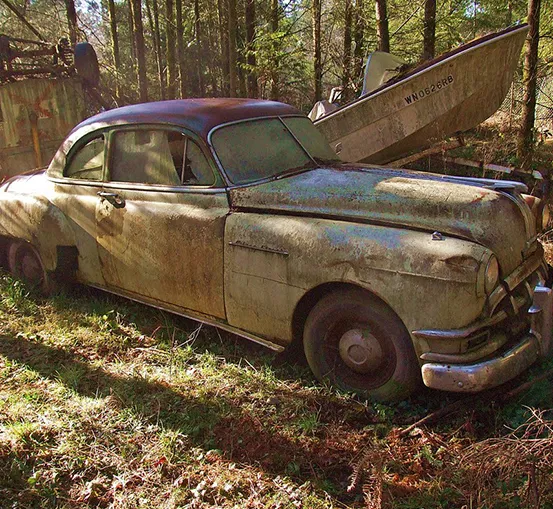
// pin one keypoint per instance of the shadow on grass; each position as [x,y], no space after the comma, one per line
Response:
[216,423]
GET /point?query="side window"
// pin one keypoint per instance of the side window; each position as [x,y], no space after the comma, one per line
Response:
[197,170]
[87,163]
[146,157]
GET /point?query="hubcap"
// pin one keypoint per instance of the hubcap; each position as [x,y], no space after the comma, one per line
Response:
[360,350]
[30,268]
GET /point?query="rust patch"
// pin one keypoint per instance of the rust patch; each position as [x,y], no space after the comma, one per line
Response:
[479,198]
[110,222]
[462,263]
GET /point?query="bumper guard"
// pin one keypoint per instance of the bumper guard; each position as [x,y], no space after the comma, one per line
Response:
[504,366]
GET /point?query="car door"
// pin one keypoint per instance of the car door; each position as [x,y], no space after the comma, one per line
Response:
[160,222]
[76,195]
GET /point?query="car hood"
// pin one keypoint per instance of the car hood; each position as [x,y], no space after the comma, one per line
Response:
[488,212]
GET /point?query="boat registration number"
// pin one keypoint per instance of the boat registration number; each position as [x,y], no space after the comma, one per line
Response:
[430,89]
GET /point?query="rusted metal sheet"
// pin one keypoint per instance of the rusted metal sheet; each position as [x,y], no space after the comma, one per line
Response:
[78,204]
[453,93]
[285,256]
[402,199]
[198,115]
[35,117]
[28,214]
[165,245]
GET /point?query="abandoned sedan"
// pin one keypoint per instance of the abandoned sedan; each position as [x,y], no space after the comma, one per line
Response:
[237,213]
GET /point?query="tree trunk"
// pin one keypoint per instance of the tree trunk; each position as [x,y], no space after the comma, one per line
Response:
[131,35]
[346,59]
[138,29]
[253,90]
[154,27]
[199,53]
[71,21]
[224,42]
[358,52]
[114,44]
[170,35]
[180,49]
[382,31]
[317,62]
[212,57]
[509,15]
[275,84]
[232,59]
[429,42]
[241,73]
[526,135]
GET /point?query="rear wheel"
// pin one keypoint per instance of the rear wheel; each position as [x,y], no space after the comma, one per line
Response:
[358,344]
[25,263]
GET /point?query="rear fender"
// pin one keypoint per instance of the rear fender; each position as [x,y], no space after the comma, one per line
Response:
[35,220]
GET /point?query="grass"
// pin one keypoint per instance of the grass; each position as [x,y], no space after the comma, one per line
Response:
[107,403]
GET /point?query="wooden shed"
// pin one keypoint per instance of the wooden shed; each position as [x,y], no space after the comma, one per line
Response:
[35,116]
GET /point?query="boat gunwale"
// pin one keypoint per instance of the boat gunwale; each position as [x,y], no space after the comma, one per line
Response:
[421,69]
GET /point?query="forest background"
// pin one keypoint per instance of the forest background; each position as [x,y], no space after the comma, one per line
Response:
[288,50]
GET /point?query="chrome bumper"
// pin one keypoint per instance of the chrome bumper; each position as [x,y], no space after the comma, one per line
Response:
[501,367]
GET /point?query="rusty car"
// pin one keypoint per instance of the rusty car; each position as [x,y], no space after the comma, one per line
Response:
[237,213]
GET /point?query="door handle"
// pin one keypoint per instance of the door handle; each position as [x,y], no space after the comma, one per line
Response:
[115,199]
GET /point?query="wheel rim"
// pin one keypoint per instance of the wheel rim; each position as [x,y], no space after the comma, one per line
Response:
[361,354]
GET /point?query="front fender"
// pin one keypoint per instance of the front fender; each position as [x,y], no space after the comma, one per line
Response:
[272,261]
[36,220]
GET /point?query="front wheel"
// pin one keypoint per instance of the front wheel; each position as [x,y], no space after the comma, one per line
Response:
[25,263]
[358,344]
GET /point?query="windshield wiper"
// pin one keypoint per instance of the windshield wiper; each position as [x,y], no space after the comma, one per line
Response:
[294,171]
[320,160]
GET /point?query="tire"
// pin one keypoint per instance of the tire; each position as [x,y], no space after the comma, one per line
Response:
[86,63]
[24,262]
[358,344]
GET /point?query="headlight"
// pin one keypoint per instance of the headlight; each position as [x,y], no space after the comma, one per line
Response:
[491,275]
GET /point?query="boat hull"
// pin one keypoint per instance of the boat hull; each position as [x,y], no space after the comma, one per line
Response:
[450,94]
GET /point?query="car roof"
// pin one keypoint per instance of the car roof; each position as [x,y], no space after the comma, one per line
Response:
[198,115]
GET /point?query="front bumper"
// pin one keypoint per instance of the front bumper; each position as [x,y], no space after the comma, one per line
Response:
[502,365]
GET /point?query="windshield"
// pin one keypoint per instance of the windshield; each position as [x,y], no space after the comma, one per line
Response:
[264,148]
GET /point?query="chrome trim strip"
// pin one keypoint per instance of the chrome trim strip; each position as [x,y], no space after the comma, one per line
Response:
[132,186]
[450,334]
[460,358]
[193,316]
[259,248]
[524,271]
